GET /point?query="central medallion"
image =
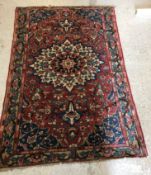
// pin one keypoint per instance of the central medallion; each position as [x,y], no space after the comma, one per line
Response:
[67,65]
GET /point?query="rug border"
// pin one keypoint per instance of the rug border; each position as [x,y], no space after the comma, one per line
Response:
[9,74]
[135,117]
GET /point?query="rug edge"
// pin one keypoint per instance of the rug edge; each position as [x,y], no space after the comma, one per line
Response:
[137,119]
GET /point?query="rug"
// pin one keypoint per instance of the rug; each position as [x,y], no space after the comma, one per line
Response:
[68,97]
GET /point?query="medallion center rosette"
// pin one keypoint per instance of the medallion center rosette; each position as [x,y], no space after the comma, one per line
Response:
[67,65]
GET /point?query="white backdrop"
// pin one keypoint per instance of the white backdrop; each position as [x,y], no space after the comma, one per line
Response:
[135,34]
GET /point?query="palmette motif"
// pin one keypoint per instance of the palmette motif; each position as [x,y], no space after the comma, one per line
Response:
[68,96]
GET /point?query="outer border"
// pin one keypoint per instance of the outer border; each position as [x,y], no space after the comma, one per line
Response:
[9,75]
[136,117]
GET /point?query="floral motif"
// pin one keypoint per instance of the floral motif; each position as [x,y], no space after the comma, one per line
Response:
[109,130]
[71,115]
[67,65]
[35,138]
[66,25]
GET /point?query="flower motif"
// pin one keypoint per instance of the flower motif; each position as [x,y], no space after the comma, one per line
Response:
[67,65]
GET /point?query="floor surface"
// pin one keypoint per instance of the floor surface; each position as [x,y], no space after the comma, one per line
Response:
[135,35]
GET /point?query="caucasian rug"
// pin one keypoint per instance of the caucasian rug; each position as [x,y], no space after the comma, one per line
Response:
[68,97]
